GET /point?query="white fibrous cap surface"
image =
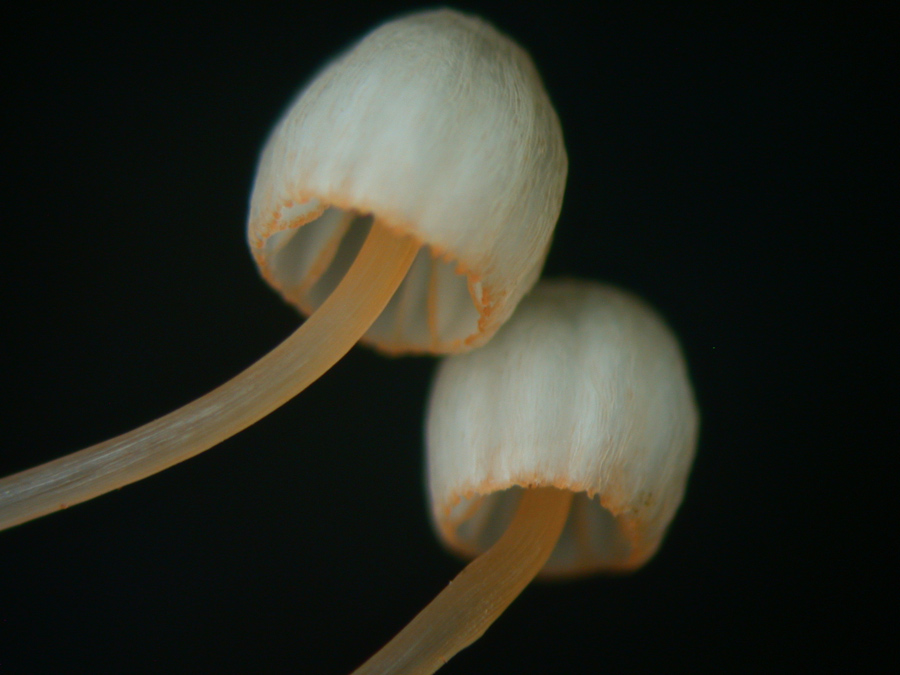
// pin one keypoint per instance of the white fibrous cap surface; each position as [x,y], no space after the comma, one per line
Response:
[585,389]
[434,125]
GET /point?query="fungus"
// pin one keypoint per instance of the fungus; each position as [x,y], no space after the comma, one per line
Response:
[561,448]
[407,198]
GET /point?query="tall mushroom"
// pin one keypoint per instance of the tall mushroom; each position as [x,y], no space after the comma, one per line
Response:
[407,198]
[562,447]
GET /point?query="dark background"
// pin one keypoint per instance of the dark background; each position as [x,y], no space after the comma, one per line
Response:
[725,164]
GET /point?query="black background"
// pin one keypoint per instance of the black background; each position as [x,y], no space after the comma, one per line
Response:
[725,164]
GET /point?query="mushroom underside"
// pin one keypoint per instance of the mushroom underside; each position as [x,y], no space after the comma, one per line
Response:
[593,538]
[433,310]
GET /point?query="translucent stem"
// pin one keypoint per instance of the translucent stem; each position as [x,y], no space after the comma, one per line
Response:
[270,382]
[480,593]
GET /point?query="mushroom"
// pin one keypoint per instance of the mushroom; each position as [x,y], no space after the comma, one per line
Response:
[407,198]
[561,448]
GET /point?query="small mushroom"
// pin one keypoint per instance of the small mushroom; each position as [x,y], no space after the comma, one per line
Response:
[562,447]
[407,198]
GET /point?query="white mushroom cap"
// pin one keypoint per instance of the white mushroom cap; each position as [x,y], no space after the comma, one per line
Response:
[584,389]
[435,125]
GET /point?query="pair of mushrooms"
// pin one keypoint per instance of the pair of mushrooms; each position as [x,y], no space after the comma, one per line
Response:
[407,199]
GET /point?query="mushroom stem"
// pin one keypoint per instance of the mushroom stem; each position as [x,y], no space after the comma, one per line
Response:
[461,613]
[283,373]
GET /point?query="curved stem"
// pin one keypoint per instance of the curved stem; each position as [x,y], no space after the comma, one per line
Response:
[269,383]
[461,613]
